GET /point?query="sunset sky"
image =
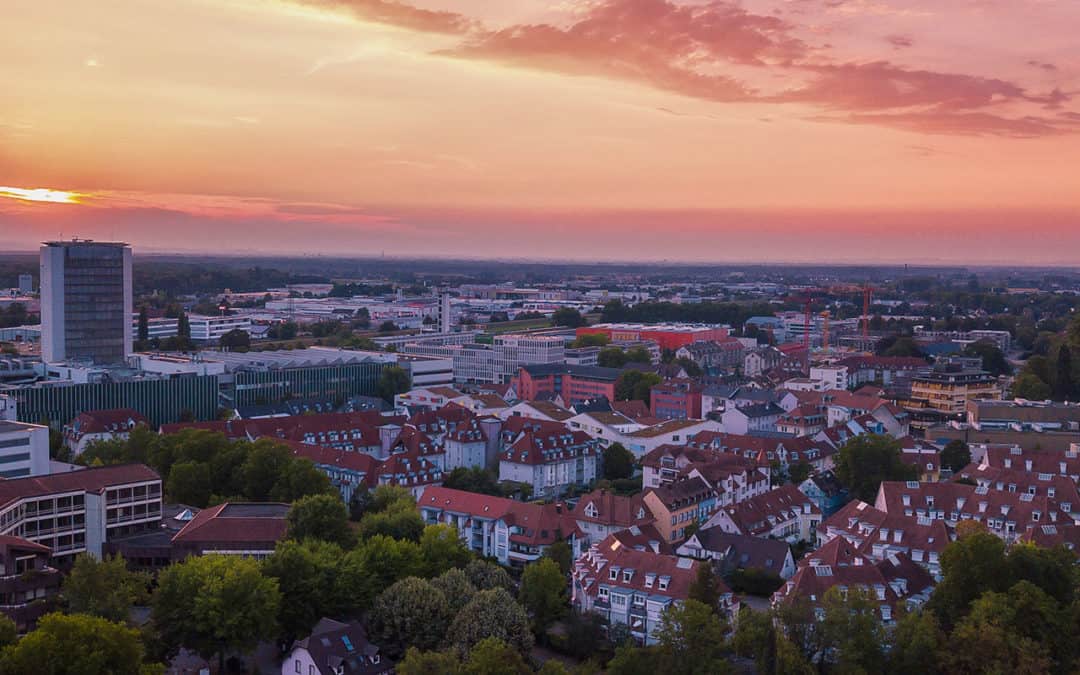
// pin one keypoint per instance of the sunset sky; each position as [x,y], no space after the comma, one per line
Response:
[761,130]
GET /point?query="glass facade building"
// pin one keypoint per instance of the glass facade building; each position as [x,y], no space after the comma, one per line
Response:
[86,302]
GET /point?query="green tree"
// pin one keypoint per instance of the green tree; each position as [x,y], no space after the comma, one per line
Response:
[183,326]
[1030,386]
[455,587]
[562,554]
[189,483]
[993,359]
[492,656]
[473,479]
[852,632]
[395,523]
[590,340]
[104,588]
[611,357]
[391,498]
[417,662]
[1063,377]
[379,562]
[568,317]
[144,325]
[634,385]
[970,566]
[543,593]
[692,639]
[618,462]
[311,584]
[867,460]
[235,339]
[485,575]
[442,549]
[410,613]
[705,588]
[629,660]
[492,613]
[216,604]
[392,381]
[388,327]
[638,355]
[755,638]
[9,632]
[320,517]
[1022,630]
[955,455]
[915,645]
[76,644]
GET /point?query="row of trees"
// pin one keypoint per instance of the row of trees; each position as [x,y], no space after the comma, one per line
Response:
[200,467]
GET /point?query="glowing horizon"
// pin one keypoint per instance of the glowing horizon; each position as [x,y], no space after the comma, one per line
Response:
[606,129]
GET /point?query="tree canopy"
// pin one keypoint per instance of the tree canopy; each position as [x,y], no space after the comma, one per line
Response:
[867,460]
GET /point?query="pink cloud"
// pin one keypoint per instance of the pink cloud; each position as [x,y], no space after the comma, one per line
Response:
[402,15]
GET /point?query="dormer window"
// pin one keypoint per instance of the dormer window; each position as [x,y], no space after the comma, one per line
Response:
[627,575]
[613,575]
[663,583]
[650,579]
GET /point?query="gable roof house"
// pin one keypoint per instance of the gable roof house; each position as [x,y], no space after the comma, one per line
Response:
[633,587]
[782,513]
[335,648]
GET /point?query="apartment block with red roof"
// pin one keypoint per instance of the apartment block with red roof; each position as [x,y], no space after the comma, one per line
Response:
[512,532]
[1005,513]
[878,534]
[551,458]
[894,583]
[781,513]
[668,336]
[634,587]
[79,511]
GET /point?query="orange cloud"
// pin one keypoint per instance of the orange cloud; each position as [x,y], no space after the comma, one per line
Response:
[401,15]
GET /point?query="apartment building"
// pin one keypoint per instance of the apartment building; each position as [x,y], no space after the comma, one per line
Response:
[632,587]
[79,511]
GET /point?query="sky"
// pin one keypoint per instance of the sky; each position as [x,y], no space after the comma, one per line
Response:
[755,130]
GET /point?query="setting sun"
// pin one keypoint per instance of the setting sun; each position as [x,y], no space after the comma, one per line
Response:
[41,195]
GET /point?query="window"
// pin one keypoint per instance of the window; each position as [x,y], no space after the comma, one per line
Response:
[298,665]
[602,594]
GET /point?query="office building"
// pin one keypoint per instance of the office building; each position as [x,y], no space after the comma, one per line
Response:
[24,450]
[212,328]
[86,301]
[26,284]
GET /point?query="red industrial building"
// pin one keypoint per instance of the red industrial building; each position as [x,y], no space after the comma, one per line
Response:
[573,384]
[668,335]
[676,399]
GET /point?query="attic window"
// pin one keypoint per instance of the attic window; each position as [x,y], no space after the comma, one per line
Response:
[663,583]
[627,575]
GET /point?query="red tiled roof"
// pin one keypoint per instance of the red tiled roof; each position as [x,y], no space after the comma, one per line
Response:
[8,541]
[88,480]
[611,553]
[753,515]
[216,524]
[613,509]
[104,421]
